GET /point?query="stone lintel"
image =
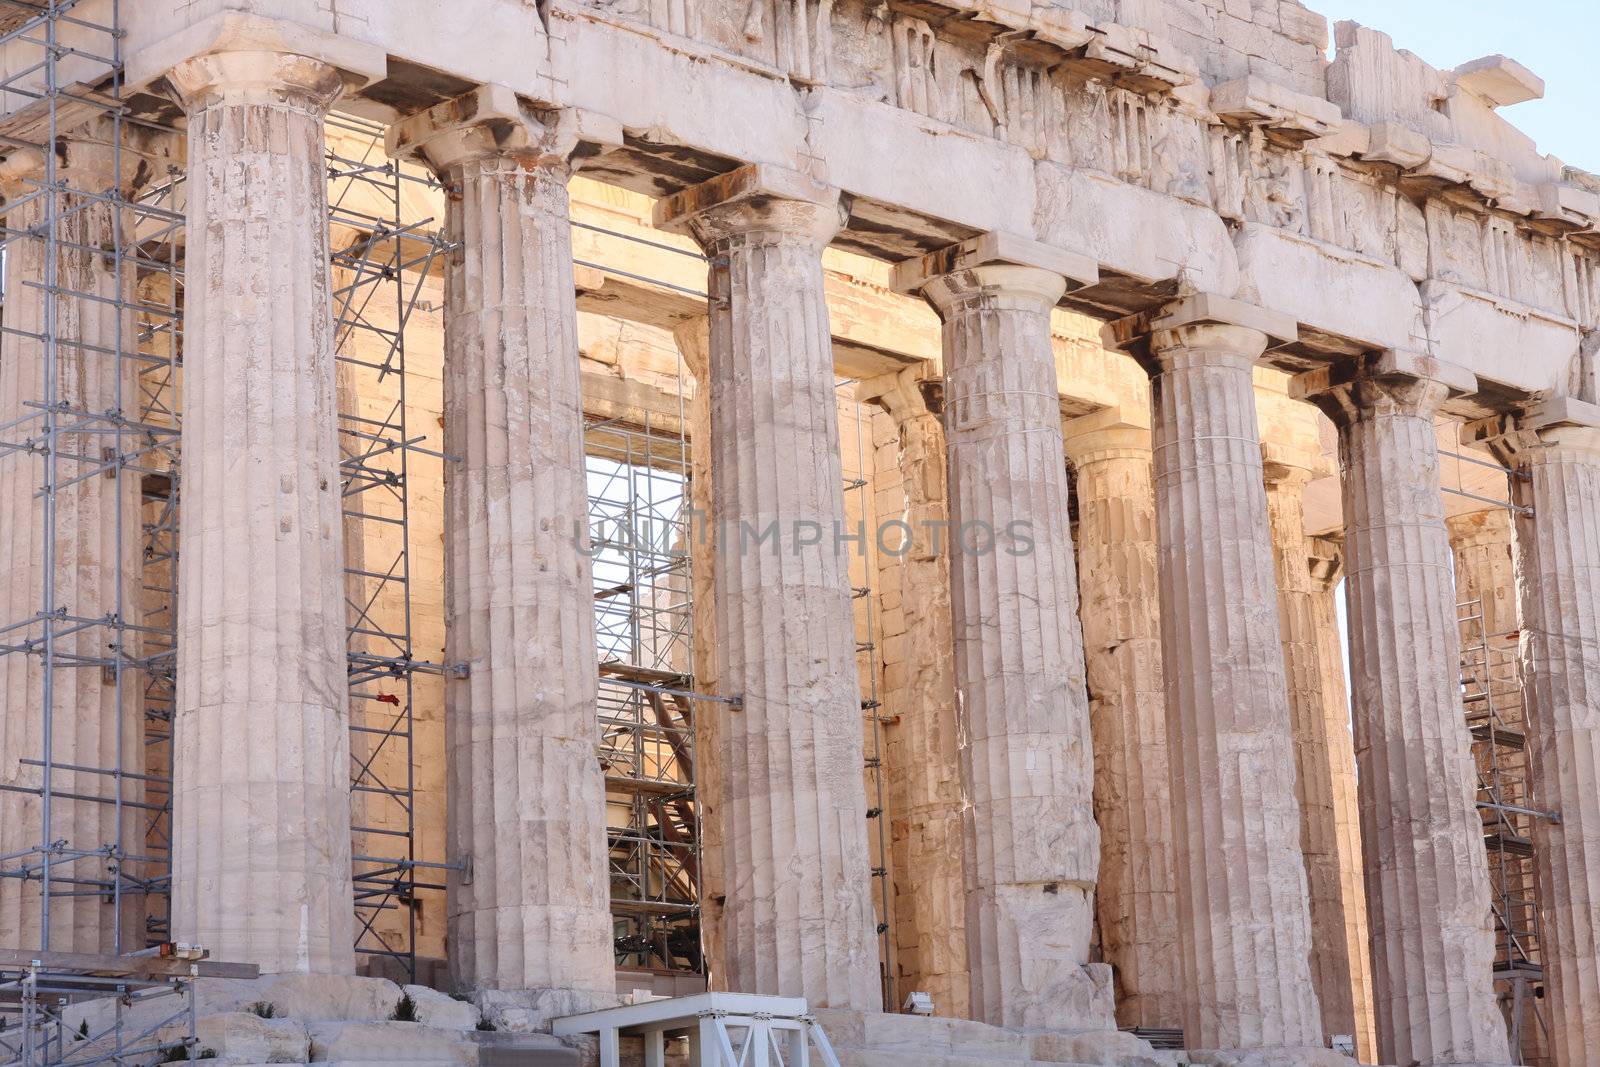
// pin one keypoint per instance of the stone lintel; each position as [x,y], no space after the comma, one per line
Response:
[1499,81]
[1506,436]
[1135,58]
[1282,463]
[1389,365]
[1061,28]
[752,185]
[1133,333]
[1349,138]
[1568,204]
[992,249]
[1112,418]
[1145,62]
[1392,142]
[86,160]
[1558,411]
[1111,429]
[1254,101]
[495,120]
[359,64]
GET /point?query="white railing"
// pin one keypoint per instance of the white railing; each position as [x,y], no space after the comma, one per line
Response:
[723,1030]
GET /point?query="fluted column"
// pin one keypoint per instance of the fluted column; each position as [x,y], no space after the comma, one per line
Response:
[1242,907]
[693,339]
[1032,848]
[527,793]
[797,918]
[1557,450]
[261,790]
[1327,571]
[93,559]
[1482,543]
[1137,903]
[1325,768]
[1426,870]
[924,769]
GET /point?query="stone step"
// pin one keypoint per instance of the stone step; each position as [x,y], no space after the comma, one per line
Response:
[528,1050]
[392,1043]
[879,1058]
[873,1039]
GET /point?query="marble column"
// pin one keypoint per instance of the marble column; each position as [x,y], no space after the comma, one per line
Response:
[1111,460]
[1426,869]
[1032,848]
[921,739]
[527,793]
[1242,901]
[693,339]
[1325,766]
[93,560]
[1490,625]
[797,919]
[261,764]
[1557,449]
[1327,571]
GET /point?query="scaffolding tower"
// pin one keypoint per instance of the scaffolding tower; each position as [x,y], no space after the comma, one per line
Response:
[382,257]
[1491,687]
[1492,700]
[639,518]
[864,611]
[159,329]
[89,362]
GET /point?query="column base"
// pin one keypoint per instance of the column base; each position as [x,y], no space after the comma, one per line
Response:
[876,1039]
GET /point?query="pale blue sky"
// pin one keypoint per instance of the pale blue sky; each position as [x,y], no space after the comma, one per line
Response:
[1553,38]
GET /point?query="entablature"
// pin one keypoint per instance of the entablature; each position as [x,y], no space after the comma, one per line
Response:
[1055,122]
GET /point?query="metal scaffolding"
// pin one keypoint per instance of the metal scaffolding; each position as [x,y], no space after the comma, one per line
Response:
[160,326]
[88,449]
[381,261]
[869,664]
[639,518]
[1492,700]
[1491,688]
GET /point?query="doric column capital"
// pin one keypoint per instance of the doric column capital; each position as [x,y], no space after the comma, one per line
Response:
[994,266]
[1479,529]
[1030,288]
[1214,344]
[1381,384]
[489,122]
[1288,469]
[1108,434]
[758,200]
[1556,426]
[1326,560]
[1203,328]
[20,173]
[911,393]
[257,76]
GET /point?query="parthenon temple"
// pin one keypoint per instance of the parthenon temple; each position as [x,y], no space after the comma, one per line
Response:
[760,533]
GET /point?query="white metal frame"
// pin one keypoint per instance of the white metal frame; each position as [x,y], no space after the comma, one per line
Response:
[769,1031]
